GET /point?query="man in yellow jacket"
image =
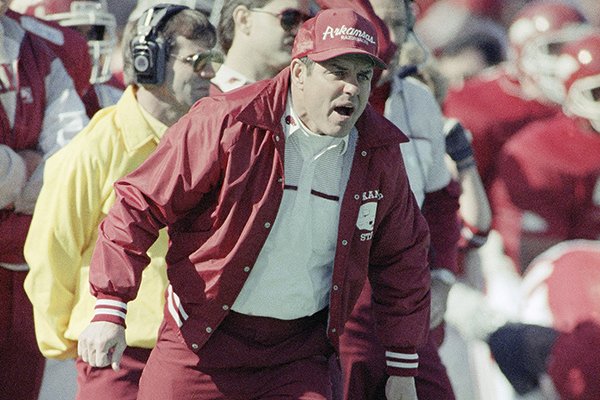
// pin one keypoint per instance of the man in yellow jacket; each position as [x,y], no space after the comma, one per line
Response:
[167,56]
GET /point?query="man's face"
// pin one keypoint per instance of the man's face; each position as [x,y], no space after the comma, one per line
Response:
[182,84]
[332,96]
[3,7]
[393,13]
[267,39]
[460,67]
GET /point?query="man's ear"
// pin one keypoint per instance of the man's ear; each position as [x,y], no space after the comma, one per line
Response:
[242,20]
[298,72]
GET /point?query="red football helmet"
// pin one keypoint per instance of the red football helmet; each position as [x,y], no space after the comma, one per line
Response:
[536,20]
[539,18]
[580,66]
[89,17]
[539,61]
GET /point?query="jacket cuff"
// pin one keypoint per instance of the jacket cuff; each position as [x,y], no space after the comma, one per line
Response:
[401,362]
[110,309]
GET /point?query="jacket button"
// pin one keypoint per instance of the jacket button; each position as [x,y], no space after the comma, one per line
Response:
[356,197]
[335,287]
[195,346]
[363,153]
[277,138]
[333,330]
[344,242]
[208,329]
[267,225]
[225,307]
[246,269]
[280,179]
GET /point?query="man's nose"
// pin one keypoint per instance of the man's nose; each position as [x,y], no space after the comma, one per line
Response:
[351,86]
[208,71]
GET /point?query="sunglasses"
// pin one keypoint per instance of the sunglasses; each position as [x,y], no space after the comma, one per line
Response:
[199,61]
[288,18]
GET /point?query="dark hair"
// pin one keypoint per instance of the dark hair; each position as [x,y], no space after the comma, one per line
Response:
[310,64]
[226,27]
[189,23]
[484,42]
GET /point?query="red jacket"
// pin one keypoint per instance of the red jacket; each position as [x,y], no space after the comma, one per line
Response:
[216,180]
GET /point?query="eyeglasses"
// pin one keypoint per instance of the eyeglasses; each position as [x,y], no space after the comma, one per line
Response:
[288,18]
[199,61]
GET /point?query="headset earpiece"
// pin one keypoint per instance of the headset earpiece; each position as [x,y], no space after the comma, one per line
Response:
[148,49]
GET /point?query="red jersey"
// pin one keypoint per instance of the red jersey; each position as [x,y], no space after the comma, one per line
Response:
[493,107]
[560,287]
[66,43]
[548,184]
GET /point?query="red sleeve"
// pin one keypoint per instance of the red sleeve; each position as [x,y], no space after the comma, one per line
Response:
[144,205]
[440,209]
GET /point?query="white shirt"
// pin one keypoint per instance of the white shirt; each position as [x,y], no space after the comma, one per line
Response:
[413,109]
[292,275]
[228,79]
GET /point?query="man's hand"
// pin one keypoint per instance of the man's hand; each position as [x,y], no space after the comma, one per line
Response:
[102,344]
[458,144]
[439,301]
[400,388]
[32,159]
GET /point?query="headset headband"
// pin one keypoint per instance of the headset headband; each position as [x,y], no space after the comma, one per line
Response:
[153,19]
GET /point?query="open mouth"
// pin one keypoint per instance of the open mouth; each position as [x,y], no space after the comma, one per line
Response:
[344,110]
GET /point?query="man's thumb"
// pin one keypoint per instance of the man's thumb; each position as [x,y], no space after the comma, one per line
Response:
[117,355]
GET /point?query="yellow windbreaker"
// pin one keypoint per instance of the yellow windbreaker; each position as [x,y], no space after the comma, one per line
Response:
[76,195]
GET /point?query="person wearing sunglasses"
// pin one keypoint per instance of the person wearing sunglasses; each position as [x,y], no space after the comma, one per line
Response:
[257,38]
[78,192]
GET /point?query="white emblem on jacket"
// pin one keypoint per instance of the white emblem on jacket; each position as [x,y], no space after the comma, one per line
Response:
[366,220]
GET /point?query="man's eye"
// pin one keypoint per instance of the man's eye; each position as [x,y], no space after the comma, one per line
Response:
[339,74]
[364,76]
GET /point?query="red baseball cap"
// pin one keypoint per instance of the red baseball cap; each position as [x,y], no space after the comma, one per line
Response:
[335,32]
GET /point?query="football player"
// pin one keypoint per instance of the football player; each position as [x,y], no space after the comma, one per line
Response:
[92,19]
[39,113]
[503,103]
[548,186]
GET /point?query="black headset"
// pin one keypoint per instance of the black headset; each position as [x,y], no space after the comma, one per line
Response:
[148,48]
[410,15]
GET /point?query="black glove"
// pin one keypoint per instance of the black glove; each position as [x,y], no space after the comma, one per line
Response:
[521,351]
[458,144]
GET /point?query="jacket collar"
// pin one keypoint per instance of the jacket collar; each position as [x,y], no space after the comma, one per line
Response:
[139,126]
[266,108]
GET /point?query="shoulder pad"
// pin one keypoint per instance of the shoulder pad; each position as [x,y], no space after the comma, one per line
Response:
[39,28]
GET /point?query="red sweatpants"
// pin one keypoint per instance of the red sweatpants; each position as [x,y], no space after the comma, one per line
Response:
[246,358]
[363,362]
[21,363]
[104,383]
